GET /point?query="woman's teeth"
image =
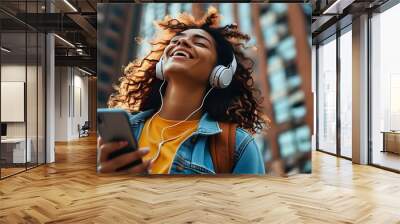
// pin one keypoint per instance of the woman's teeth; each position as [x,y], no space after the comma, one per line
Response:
[181,53]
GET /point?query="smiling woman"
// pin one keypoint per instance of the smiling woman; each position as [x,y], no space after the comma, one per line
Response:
[195,101]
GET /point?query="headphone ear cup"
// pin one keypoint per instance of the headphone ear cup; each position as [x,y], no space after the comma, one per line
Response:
[225,78]
[159,69]
[215,75]
[220,77]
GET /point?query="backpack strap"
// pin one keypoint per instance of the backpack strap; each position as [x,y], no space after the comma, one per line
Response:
[222,148]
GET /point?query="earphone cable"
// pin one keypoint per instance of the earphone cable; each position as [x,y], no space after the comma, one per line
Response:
[162,131]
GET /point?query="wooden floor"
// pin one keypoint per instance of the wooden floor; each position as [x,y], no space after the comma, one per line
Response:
[10,171]
[386,159]
[5,172]
[69,191]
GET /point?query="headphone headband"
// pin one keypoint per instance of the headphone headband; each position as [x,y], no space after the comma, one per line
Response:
[220,77]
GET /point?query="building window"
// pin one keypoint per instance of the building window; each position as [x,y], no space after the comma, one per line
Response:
[327,96]
[385,89]
[346,94]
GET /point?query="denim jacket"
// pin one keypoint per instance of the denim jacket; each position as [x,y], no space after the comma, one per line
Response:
[193,156]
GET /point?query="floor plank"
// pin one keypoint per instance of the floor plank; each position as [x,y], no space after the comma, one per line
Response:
[70,191]
[386,159]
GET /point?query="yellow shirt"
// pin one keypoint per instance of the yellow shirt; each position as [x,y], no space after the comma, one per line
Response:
[168,150]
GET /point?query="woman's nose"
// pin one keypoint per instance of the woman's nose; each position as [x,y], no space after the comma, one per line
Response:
[184,41]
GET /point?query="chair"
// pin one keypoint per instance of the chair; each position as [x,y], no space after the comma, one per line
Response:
[84,130]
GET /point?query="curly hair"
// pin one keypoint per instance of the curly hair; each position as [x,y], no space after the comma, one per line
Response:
[239,103]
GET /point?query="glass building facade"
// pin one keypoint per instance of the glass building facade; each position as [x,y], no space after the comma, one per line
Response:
[337,75]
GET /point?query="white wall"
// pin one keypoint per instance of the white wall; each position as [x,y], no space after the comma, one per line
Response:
[80,102]
[61,105]
[13,73]
[71,94]
[10,73]
[33,127]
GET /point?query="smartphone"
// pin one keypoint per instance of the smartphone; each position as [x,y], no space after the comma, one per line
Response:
[113,125]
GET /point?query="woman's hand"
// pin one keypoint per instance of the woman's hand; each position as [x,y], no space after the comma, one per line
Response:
[109,166]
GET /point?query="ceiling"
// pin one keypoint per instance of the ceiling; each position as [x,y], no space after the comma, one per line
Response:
[73,20]
[338,14]
[76,22]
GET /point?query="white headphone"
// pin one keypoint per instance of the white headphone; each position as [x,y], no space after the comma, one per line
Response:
[220,77]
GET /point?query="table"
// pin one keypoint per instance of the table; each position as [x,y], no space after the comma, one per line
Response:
[391,141]
[13,150]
